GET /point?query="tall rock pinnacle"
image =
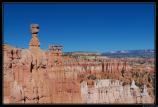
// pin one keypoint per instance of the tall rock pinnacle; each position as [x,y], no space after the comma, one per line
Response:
[34,43]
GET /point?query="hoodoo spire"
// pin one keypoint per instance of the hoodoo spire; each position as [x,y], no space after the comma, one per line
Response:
[34,42]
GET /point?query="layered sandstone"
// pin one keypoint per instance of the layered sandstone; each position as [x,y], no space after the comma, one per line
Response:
[109,91]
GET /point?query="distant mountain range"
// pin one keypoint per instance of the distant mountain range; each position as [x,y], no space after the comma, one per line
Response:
[148,53]
[131,53]
[117,52]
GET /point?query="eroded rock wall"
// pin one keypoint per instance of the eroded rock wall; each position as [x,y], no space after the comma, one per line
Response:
[36,77]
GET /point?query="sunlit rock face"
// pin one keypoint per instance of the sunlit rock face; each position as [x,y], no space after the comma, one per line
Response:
[109,91]
[36,76]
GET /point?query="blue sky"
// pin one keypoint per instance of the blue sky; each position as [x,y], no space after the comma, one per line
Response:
[90,27]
